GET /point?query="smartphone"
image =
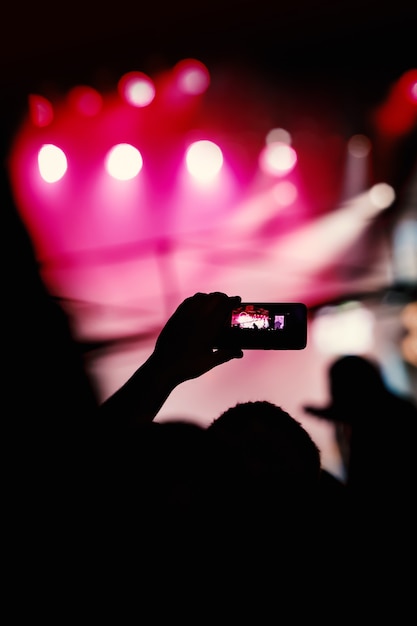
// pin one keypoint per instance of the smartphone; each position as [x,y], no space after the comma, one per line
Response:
[266,326]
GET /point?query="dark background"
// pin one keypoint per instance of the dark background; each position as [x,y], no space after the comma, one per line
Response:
[356,44]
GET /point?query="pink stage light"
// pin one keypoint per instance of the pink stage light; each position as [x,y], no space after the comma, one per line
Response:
[398,114]
[204,160]
[137,89]
[277,159]
[192,76]
[40,110]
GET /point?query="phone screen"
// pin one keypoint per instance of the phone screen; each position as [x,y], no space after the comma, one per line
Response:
[266,326]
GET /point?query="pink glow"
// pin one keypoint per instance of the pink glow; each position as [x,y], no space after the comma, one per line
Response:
[397,115]
[192,76]
[120,240]
[40,110]
[204,160]
[277,159]
[137,89]
[85,100]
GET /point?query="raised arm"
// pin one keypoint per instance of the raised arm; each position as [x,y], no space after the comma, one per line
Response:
[183,350]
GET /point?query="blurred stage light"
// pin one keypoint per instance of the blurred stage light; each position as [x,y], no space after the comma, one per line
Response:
[192,76]
[277,159]
[85,100]
[204,160]
[278,135]
[190,184]
[343,329]
[397,115]
[124,162]
[137,89]
[52,163]
[381,196]
[359,146]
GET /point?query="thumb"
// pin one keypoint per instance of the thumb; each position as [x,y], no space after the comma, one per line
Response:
[222,355]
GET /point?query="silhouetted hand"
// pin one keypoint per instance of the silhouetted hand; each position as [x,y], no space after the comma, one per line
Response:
[183,350]
[185,344]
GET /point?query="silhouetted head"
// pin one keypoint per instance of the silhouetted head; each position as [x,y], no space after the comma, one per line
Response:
[356,388]
[355,376]
[266,451]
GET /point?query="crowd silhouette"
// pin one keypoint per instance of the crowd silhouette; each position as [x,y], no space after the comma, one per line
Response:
[102,497]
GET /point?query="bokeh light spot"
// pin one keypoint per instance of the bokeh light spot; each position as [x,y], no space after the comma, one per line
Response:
[52,163]
[137,89]
[124,161]
[277,159]
[204,160]
[359,146]
[382,195]
[278,135]
[193,76]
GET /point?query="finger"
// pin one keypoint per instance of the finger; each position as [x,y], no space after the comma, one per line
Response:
[223,355]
